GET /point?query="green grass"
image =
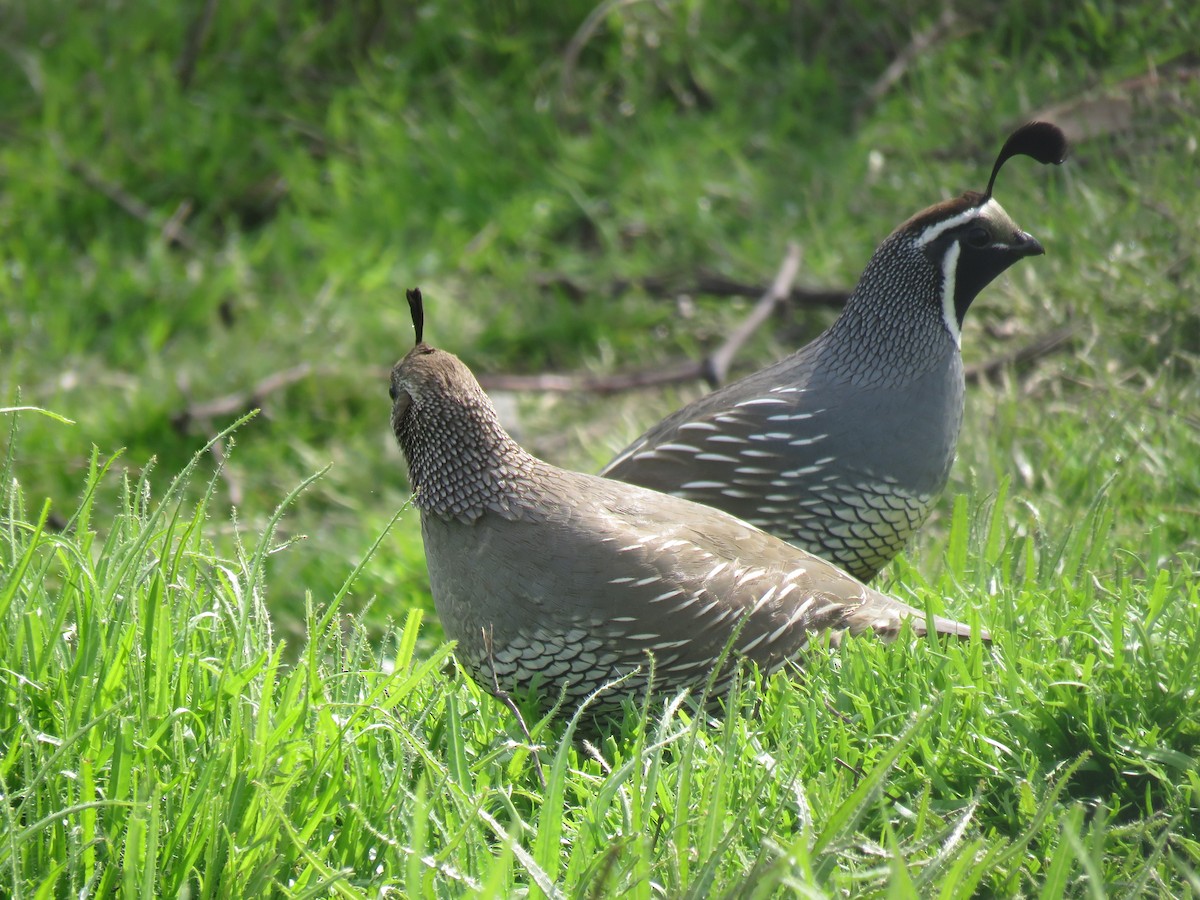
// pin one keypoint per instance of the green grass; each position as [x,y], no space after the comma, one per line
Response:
[157,743]
[212,686]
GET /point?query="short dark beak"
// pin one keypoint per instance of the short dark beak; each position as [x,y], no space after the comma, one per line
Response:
[1027,245]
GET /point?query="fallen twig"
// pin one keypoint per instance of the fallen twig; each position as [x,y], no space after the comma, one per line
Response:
[708,284]
[557,383]
[579,40]
[235,486]
[1112,109]
[243,401]
[713,368]
[692,370]
[716,367]
[896,69]
[1041,346]
[706,369]
[193,43]
[171,229]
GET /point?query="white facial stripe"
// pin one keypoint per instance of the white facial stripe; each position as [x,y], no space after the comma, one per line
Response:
[934,231]
[949,270]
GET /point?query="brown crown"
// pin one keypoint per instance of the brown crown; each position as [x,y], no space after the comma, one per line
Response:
[945,210]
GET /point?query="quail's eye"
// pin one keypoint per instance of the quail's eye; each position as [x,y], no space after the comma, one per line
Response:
[392,392]
[978,237]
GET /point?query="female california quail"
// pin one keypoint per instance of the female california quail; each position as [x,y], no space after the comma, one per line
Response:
[843,447]
[555,582]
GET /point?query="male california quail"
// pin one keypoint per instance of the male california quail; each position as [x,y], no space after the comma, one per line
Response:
[554,583]
[843,447]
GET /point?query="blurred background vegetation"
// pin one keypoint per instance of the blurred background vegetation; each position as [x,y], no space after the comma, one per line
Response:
[212,206]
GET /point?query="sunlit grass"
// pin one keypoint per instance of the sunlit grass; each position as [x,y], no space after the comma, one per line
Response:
[206,690]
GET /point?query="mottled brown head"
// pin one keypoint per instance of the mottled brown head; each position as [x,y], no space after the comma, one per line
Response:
[429,374]
[460,459]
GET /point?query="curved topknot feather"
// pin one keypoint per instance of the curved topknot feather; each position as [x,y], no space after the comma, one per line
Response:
[417,308]
[1044,141]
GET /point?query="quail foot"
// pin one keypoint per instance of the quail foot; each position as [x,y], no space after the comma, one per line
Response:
[554,583]
[843,447]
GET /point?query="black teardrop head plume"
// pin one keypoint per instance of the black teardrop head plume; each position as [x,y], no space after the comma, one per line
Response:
[417,308]
[1043,141]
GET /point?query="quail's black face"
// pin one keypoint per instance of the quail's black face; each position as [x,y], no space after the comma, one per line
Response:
[970,246]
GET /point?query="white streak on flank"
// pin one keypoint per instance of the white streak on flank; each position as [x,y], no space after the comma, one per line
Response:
[722,615]
[804,442]
[932,232]
[667,596]
[801,472]
[672,645]
[752,470]
[797,615]
[638,546]
[648,636]
[688,664]
[790,417]
[624,580]
[702,485]
[764,600]
[762,401]
[686,603]
[771,436]
[949,270]
[795,573]
[698,426]
[623,619]
[784,389]
[778,632]
[673,543]
[678,448]
[716,570]
[641,454]
[725,439]
[759,454]
[642,582]
[737,494]
[715,457]
[746,648]
[798,612]
[787,590]
[729,420]
[748,574]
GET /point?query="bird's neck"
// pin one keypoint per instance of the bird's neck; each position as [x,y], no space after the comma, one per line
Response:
[892,328]
[461,461]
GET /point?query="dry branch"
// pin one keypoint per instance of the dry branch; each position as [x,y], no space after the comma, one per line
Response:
[193,43]
[1041,346]
[243,401]
[573,383]
[713,368]
[716,367]
[172,229]
[709,284]
[898,67]
[1113,109]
